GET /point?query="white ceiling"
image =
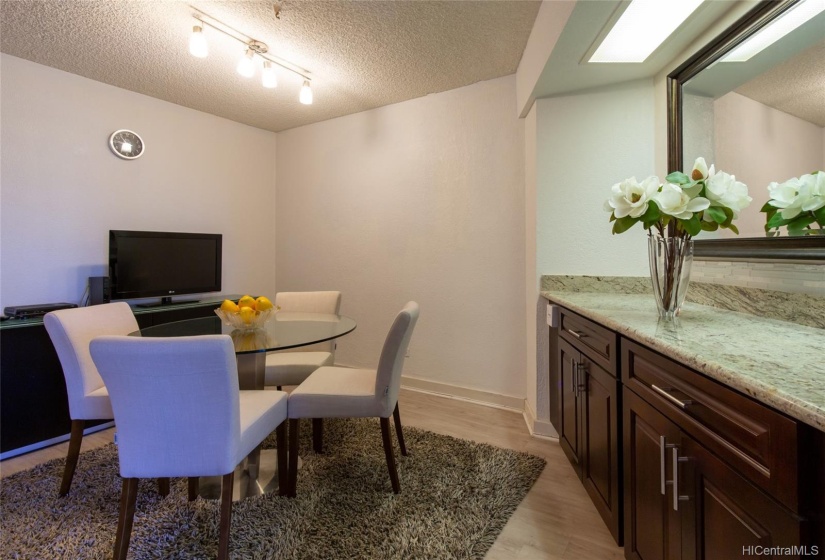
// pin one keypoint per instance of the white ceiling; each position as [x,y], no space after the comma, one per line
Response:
[361,54]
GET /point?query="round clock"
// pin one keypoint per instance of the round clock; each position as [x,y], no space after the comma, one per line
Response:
[126,144]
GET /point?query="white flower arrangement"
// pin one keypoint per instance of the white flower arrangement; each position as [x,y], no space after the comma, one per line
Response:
[683,206]
[797,203]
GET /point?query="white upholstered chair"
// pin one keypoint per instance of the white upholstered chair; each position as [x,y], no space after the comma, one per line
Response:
[292,367]
[179,413]
[71,330]
[337,392]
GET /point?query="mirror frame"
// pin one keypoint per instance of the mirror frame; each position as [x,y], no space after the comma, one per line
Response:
[771,248]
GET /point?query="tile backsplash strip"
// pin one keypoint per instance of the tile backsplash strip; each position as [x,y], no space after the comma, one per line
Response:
[782,277]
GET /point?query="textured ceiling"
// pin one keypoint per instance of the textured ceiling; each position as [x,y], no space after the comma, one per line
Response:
[361,54]
[797,86]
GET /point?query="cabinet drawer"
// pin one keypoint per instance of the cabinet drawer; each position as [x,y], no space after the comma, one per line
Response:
[756,440]
[597,342]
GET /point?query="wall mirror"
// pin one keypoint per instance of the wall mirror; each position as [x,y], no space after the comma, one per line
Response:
[760,117]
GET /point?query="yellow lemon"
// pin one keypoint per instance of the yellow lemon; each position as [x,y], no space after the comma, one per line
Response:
[247,301]
[263,303]
[247,314]
[229,306]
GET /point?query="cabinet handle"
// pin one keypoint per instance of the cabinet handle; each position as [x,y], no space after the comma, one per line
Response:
[577,334]
[575,378]
[662,446]
[581,377]
[665,393]
[676,497]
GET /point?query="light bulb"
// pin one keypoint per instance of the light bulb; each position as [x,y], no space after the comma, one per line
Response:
[268,77]
[197,43]
[246,66]
[306,94]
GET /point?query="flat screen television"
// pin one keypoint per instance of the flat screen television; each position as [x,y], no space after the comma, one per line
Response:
[156,263]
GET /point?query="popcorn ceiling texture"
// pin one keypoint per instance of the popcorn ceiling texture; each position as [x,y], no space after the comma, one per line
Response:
[361,55]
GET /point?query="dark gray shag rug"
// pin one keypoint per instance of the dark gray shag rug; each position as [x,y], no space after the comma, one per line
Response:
[456,497]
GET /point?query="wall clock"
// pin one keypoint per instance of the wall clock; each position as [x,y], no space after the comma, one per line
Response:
[126,144]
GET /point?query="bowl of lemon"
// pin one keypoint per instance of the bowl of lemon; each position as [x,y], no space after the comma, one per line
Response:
[247,313]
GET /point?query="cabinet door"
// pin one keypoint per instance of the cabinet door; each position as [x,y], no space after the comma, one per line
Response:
[652,527]
[569,428]
[727,517]
[599,400]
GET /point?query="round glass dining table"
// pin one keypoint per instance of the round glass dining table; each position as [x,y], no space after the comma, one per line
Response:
[257,474]
[284,330]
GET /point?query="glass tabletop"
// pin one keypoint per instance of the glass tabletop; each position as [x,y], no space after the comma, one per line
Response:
[284,330]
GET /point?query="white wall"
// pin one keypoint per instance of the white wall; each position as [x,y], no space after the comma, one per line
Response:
[586,143]
[422,200]
[747,132]
[62,189]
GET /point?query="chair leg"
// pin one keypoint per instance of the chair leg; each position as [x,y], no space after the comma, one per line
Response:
[163,487]
[283,469]
[128,497]
[226,515]
[293,457]
[194,488]
[278,387]
[75,439]
[318,435]
[397,418]
[385,435]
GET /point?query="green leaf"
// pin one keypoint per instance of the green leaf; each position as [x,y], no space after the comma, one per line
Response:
[709,226]
[677,178]
[801,222]
[820,216]
[717,214]
[693,226]
[777,221]
[734,229]
[621,225]
[767,207]
[652,213]
[612,217]
[694,190]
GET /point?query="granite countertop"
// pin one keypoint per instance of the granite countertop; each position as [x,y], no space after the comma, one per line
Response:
[778,363]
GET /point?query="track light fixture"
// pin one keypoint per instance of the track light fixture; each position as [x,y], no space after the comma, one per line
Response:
[253,51]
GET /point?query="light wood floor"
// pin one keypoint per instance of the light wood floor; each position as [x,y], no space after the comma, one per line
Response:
[556,520]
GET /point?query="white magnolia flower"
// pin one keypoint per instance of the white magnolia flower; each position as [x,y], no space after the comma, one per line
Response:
[786,197]
[630,198]
[701,171]
[672,200]
[813,187]
[724,190]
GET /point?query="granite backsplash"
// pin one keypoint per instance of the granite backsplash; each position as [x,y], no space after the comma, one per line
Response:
[804,309]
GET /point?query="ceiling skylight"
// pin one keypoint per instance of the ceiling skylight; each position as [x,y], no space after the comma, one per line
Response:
[780,27]
[643,26]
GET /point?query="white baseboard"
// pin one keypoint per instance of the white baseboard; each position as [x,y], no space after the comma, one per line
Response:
[46,443]
[476,396]
[538,428]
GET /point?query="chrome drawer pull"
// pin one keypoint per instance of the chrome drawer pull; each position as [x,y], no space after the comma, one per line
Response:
[676,497]
[681,404]
[581,374]
[575,378]
[577,334]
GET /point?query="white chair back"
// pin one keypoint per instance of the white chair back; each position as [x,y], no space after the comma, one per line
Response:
[391,362]
[311,302]
[71,330]
[176,403]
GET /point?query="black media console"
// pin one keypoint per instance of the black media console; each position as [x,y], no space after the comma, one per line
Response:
[34,408]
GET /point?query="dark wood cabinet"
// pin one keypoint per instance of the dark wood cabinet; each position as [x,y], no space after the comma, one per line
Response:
[589,428]
[34,408]
[687,496]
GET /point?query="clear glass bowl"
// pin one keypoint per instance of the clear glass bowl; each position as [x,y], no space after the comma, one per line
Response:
[258,320]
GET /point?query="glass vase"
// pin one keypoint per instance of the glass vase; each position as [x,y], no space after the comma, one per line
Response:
[670,262]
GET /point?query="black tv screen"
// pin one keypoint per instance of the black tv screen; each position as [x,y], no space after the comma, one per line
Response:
[153,263]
